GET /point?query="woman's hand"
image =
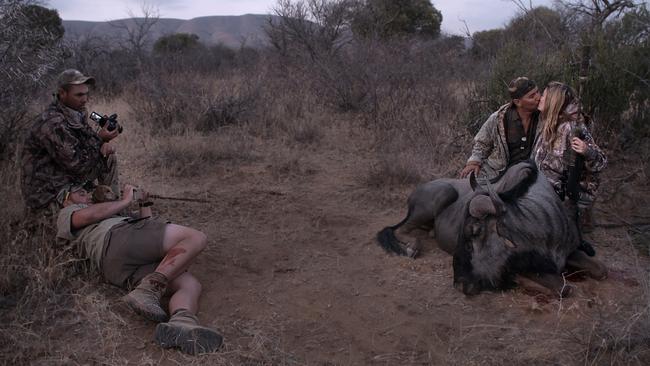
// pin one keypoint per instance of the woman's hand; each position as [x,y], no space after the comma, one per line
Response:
[579,146]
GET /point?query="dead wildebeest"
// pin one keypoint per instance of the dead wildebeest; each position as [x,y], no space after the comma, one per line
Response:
[516,225]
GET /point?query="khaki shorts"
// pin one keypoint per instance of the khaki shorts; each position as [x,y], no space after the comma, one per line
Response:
[133,251]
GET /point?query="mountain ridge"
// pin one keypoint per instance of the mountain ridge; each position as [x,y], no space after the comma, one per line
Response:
[229,30]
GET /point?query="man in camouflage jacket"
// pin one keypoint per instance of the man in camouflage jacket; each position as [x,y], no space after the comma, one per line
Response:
[508,135]
[62,149]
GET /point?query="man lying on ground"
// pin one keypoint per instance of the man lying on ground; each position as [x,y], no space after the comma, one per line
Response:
[151,255]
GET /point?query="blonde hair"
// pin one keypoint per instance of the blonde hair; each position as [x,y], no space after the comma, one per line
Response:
[558,97]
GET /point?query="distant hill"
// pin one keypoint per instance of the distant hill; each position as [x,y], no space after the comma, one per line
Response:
[232,31]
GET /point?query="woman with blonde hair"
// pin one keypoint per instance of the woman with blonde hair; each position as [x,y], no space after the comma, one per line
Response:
[566,152]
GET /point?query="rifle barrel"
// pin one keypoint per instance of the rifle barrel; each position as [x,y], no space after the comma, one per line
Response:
[179,198]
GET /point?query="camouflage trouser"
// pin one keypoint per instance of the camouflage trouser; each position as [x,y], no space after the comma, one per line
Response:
[109,175]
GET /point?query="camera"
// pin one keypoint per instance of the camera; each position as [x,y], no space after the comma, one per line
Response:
[109,121]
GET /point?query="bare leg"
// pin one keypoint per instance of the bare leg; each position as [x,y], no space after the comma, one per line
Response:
[186,290]
[181,245]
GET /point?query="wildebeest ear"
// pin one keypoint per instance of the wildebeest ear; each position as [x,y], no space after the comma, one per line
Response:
[481,206]
[472,181]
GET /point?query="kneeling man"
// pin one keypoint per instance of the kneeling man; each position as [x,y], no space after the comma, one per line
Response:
[151,255]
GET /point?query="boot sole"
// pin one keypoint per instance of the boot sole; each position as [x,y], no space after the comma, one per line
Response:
[193,342]
[142,309]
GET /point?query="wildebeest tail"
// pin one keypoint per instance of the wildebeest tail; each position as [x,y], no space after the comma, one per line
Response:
[387,239]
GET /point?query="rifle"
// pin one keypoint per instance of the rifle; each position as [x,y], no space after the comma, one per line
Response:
[104,193]
[157,196]
[576,166]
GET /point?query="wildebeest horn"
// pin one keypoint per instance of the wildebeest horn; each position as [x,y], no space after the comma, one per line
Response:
[481,206]
[472,181]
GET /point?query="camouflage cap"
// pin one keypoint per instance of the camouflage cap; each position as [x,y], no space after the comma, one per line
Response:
[65,192]
[520,86]
[74,77]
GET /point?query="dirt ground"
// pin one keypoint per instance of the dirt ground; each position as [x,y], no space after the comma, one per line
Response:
[292,276]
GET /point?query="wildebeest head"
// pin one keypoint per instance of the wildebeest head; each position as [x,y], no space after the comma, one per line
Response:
[483,256]
[482,253]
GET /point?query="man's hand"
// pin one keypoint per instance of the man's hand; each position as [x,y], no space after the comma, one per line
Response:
[579,146]
[107,135]
[472,166]
[107,149]
[101,211]
[127,193]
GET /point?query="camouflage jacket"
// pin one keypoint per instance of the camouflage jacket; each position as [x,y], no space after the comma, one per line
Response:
[490,148]
[554,160]
[60,149]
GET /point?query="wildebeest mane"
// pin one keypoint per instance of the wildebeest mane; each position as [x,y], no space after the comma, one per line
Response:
[526,262]
[462,258]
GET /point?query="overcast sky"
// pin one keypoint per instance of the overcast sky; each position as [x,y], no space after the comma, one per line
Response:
[478,14]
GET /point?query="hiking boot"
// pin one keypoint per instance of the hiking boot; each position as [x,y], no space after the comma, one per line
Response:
[145,298]
[183,331]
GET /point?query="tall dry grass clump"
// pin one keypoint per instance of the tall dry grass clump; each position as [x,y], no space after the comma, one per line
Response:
[34,275]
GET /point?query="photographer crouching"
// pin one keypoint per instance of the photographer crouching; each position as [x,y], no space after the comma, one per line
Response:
[148,257]
[63,146]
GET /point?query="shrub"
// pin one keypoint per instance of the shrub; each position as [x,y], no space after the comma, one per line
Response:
[30,45]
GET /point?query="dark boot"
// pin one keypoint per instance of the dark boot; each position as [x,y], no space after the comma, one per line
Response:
[145,298]
[183,331]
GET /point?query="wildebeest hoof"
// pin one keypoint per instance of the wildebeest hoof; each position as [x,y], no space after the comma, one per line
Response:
[411,248]
[586,247]
[591,266]
[466,287]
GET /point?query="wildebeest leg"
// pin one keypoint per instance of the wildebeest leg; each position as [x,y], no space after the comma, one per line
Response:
[552,282]
[592,267]
[424,204]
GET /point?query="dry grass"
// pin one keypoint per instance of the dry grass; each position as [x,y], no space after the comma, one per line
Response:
[285,163]
[192,155]
[395,170]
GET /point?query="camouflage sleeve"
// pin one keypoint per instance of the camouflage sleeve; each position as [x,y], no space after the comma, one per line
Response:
[595,159]
[74,156]
[484,140]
